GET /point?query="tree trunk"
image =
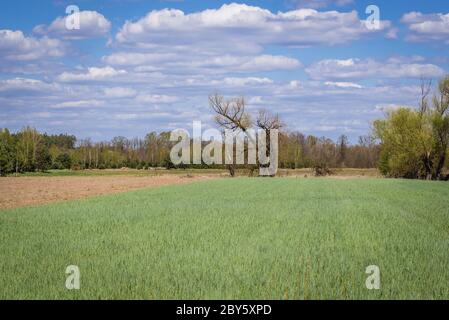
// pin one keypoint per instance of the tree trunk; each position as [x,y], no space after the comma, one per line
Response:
[231,169]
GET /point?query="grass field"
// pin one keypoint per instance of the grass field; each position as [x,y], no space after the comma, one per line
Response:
[244,238]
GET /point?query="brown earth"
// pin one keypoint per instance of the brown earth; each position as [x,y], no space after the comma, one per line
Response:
[30,191]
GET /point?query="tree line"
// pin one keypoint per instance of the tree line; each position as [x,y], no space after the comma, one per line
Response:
[29,150]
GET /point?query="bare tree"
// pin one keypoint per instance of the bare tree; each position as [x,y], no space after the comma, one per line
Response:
[426,87]
[231,115]
[441,126]
[268,122]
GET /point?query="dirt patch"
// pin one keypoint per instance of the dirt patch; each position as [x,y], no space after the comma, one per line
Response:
[29,191]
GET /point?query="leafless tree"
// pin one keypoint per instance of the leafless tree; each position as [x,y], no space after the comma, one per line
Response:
[426,87]
[231,115]
[268,122]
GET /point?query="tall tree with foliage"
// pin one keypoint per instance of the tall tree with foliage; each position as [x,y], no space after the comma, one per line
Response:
[43,157]
[415,143]
[7,156]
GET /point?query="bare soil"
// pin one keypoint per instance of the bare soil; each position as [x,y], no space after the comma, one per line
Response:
[30,191]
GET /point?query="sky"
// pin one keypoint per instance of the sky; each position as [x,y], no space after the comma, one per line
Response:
[136,66]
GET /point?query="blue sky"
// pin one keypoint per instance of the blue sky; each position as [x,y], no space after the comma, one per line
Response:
[137,66]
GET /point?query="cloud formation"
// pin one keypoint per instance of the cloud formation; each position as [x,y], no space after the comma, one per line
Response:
[92,74]
[427,27]
[15,46]
[248,28]
[173,63]
[370,68]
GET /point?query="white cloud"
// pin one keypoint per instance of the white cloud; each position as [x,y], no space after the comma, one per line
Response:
[92,74]
[343,85]
[155,98]
[170,62]
[255,100]
[364,68]
[24,84]
[391,107]
[136,58]
[119,92]
[79,104]
[427,27]
[92,25]
[15,46]
[127,116]
[241,82]
[269,62]
[295,84]
[248,28]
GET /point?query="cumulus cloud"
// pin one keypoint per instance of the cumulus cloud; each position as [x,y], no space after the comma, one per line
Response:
[92,25]
[248,28]
[240,82]
[92,74]
[343,84]
[370,68]
[390,107]
[24,84]
[155,98]
[295,84]
[138,58]
[184,63]
[427,27]
[119,92]
[79,104]
[15,46]
[269,62]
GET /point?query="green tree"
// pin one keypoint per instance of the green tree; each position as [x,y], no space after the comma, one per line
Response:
[440,125]
[6,152]
[63,161]
[404,143]
[414,143]
[27,141]
[43,157]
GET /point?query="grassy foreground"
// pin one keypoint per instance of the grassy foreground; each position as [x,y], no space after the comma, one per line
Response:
[258,238]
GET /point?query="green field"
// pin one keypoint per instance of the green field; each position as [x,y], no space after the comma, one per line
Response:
[244,238]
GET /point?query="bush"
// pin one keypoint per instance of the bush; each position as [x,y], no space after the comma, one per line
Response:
[76,167]
[322,171]
[63,161]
